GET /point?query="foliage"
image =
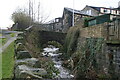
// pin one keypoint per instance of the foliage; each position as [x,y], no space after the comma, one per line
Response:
[103,76]
[71,41]
[82,52]
[87,63]
[50,70]
[8,62]
[21,19]
[19,40]
[86,21]
[48,65]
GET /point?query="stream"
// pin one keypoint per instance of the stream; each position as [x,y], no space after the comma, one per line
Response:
[54,54]
[25,66]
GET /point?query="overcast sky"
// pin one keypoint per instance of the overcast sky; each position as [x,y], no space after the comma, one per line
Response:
[54,8]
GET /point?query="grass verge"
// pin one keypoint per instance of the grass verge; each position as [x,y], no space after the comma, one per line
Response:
[0,34]
[8,61]
[12,34]
[0,66]
[2,41]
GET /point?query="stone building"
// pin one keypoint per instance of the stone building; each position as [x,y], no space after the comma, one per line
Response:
[96,11]
[58,24]
[53,25]
[67,18]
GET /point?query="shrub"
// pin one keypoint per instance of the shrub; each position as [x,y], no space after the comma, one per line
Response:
[56,44]
[71,41]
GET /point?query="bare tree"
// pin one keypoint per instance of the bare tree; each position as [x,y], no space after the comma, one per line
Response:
[36,13]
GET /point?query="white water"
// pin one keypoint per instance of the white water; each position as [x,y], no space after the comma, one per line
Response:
[53,53]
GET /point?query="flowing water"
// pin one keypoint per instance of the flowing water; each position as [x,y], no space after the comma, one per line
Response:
[26,66]
[53,53]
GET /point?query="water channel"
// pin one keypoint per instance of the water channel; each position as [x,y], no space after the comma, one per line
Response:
[54,54]
[25,67]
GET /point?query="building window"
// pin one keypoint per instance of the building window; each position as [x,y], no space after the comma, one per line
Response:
[89,12]
[105,10]
[57,20]
[112,11]
[116,12]
[101,10]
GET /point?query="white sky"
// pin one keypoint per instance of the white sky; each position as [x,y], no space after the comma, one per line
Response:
[54,8]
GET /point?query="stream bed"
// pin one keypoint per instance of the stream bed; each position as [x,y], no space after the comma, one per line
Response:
[53,52]
[25,66]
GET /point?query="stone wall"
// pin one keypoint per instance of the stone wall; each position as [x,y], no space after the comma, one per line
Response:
[67,21]
[97,31]
[113,52]
[93,57]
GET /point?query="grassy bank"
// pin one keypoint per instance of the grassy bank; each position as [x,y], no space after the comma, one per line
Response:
[12,34]
[0,66]
[2,41]
[8,61]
